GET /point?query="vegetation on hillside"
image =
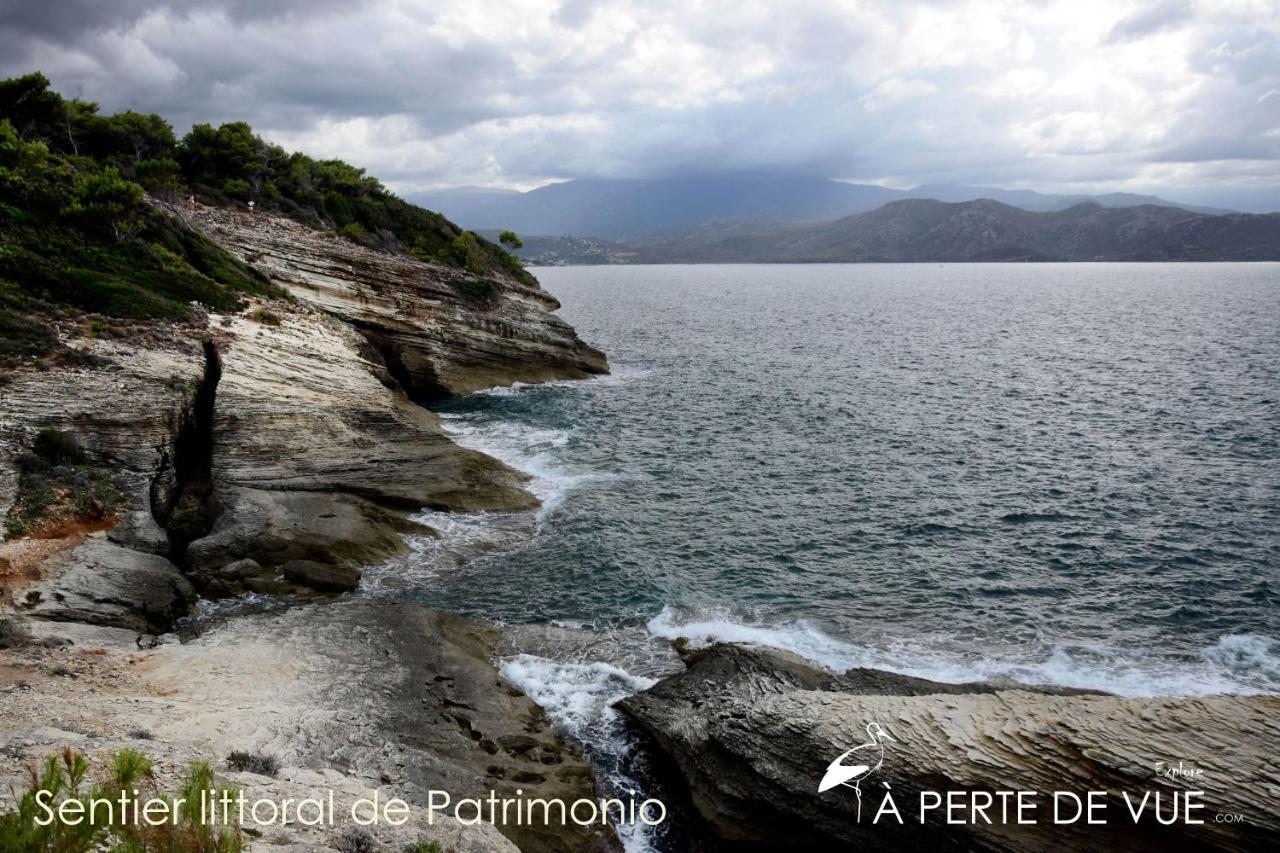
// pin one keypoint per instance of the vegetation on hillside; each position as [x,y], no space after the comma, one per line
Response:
[59,486]
[230,164]
[76,234]
[76,231]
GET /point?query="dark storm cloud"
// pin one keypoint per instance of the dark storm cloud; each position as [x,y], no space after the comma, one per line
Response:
[1121,95]
[62,20]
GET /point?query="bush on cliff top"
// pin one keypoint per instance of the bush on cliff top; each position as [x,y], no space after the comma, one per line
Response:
[230,163]
[76,230]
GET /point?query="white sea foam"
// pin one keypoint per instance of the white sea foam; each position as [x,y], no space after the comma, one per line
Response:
[527,449]
[576,696]
[618,376]
[578,699]
[1235,664]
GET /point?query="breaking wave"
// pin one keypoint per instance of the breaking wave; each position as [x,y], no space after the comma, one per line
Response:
[1237,663]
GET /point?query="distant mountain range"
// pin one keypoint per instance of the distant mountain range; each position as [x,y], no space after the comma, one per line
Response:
[929,230]
[660,208]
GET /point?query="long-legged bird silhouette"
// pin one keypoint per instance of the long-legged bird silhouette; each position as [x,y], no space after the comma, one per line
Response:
[870,756]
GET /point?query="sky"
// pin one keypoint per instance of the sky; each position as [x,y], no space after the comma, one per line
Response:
[1176,97]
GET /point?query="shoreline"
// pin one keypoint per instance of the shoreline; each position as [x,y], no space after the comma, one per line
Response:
[275,452]
[286,459]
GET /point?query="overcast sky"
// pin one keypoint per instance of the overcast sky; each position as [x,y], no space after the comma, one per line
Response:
[1174,96]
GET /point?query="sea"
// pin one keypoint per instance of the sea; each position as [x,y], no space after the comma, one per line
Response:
[1048,473]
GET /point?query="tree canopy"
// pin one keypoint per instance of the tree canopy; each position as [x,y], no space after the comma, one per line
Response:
[75,228]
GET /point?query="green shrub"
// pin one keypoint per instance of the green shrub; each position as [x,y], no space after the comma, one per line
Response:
[249,762]
[356,839]
[481,291]
[57,481]
[65,778]
[265,316]
[355,232]
[56,447]
[423,846]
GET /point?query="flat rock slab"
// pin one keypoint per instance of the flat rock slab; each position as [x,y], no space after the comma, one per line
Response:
[752,732]
[273,527]
[390,694]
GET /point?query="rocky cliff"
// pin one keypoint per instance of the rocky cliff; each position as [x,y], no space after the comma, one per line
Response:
[750,733]
[440,330]
[281,445]
[275,449]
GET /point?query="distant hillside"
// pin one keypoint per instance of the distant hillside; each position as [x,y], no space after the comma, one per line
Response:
[570,251]
[1032,200]
[653,208]
[661,208]
[983,230]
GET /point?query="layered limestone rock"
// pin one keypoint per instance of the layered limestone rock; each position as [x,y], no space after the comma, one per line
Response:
[752,732]
[442,331]
[300,408]
[312,453]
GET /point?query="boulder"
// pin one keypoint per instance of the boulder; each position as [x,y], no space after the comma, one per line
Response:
[240,570]
[340,577]
[139,531]
[274,527]
[102,583]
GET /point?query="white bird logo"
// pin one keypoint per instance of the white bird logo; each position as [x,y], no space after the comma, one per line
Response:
[852,775]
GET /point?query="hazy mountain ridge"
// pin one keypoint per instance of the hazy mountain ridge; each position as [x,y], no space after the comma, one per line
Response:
[661,208]
[984,230]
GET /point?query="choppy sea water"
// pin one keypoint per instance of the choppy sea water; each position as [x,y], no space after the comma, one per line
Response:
[1051,473]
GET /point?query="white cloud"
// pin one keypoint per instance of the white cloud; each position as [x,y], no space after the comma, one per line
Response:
[1059,94]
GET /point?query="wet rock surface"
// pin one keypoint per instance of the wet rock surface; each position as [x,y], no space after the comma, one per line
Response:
[750,733]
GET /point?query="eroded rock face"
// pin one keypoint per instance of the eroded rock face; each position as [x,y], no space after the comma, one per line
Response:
[273,527]
[752,732]
[441,330]
[299,408]
[123,410]
[390,694]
